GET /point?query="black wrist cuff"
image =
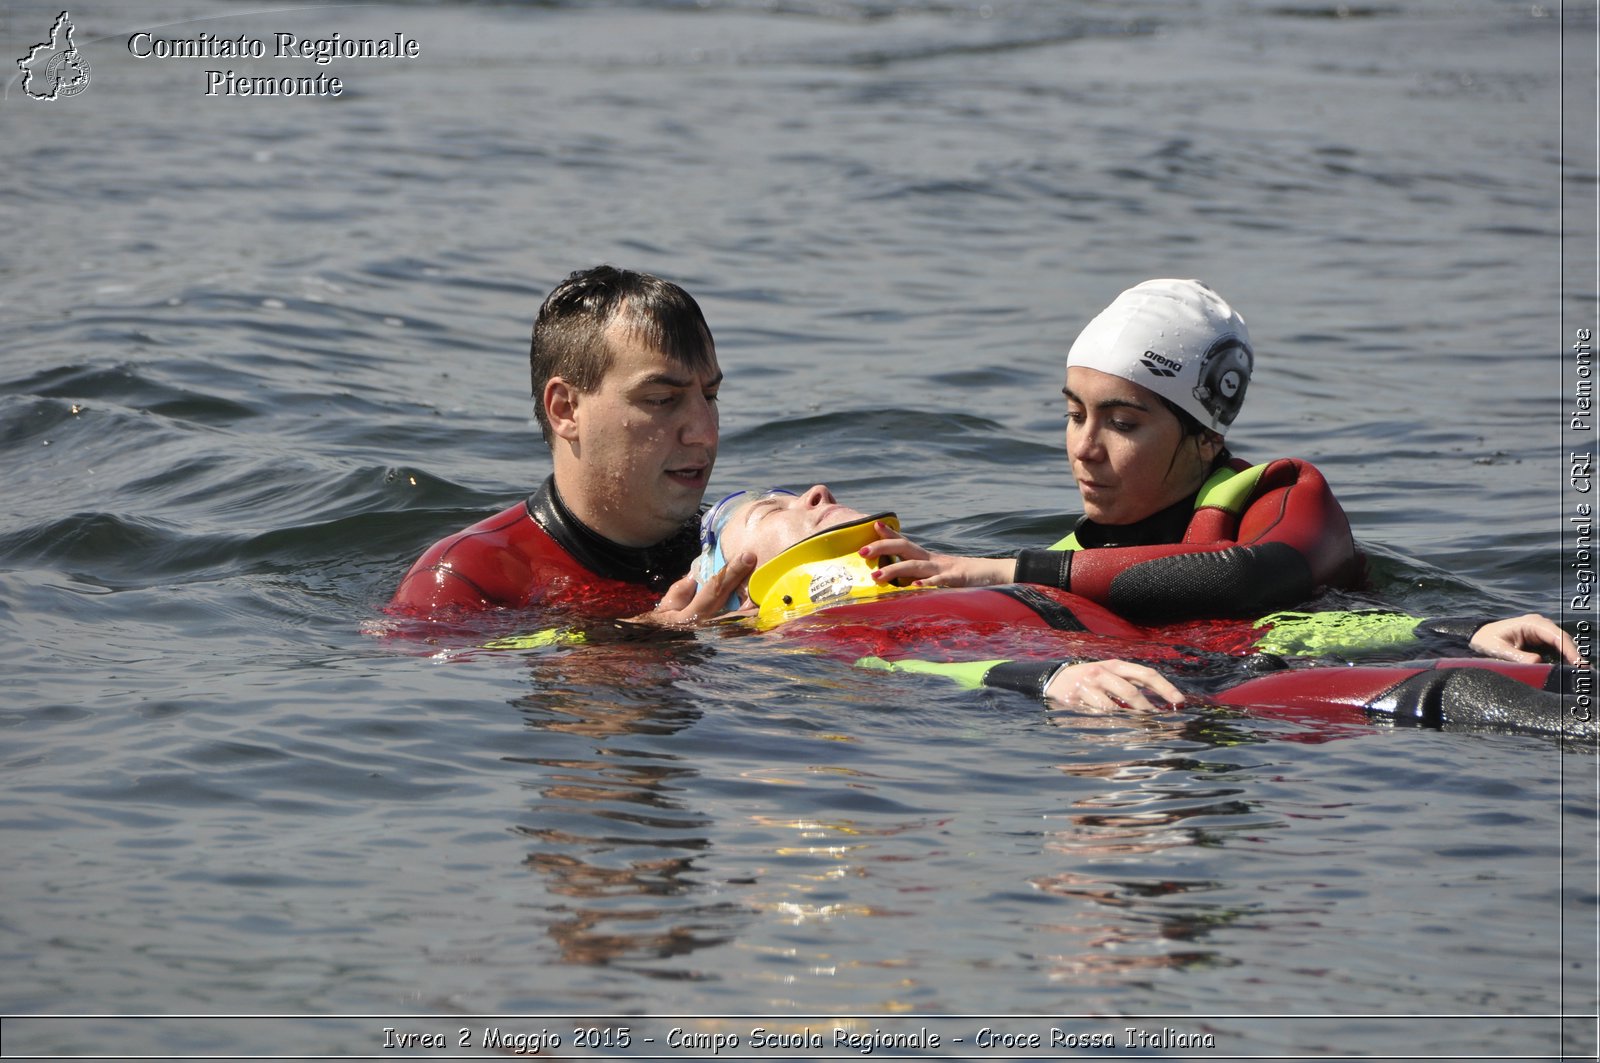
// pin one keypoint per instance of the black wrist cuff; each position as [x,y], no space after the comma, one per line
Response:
[1025,677]
[1456,627]
[1049,568]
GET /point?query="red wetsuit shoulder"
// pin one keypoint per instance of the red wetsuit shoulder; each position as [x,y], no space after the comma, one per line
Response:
[509,561]
[1290,504]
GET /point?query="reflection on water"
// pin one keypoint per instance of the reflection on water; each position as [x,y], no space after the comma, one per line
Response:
[625,837]
[1118,934]
[1128,917]
[614,837]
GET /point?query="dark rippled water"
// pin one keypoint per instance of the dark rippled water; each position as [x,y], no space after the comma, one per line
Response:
[259,352]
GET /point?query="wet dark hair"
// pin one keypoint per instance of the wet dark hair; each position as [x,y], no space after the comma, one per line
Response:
[1190,425]
[569,333]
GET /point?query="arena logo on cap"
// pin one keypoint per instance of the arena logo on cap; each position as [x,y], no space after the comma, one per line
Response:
[64,73]
[1159,365]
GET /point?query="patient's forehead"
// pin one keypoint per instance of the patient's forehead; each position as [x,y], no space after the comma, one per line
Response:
[765,526]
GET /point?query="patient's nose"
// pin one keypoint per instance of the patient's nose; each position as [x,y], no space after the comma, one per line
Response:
[818,495]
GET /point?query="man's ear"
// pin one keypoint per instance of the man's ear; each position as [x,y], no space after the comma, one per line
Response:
[561,408]
[1210,445]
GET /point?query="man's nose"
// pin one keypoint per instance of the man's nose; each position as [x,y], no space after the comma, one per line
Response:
[700,428]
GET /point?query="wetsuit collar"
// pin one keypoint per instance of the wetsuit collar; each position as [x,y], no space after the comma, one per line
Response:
[655,566]
[1166,526]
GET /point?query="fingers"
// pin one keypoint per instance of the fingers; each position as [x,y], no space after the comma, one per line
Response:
[1111,684]
[1503,640]
[910,564]
[1134,680]
[687,603]
[1098,686]
[1569,650]
[711,600]
[1506,652]
[1520,638]
[731,580]
[1553,635]
[678,595]
[907,571]
[950,570]
[892,545]
[930,570]
[1161,686]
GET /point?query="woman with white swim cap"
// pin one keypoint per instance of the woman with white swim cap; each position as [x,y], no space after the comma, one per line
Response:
[1174,526]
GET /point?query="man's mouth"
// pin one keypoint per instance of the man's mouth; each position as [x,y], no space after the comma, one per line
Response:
[690,476]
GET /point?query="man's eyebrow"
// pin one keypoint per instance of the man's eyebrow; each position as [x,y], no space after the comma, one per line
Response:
[673,381]
[1106,404]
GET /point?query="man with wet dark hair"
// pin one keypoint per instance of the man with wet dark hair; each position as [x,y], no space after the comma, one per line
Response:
[625,381]
[570,334]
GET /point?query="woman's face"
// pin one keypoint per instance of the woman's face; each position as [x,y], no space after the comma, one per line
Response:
[772,523]
[1129,454]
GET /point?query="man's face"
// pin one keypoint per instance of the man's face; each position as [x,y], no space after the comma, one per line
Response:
[644,442]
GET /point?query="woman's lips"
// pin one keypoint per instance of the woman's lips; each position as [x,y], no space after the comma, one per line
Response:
[831,516]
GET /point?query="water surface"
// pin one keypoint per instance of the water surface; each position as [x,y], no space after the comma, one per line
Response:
[260,352]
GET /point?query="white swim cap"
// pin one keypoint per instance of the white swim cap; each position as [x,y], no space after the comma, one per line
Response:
[1178,338]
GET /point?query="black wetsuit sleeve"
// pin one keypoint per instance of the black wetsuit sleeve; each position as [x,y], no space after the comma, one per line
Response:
[1182,582]
[1454,629]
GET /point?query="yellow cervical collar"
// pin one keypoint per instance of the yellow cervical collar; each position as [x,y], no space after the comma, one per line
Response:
[822,570]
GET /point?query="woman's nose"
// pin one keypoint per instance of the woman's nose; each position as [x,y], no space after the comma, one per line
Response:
[1082,442]
[818,495]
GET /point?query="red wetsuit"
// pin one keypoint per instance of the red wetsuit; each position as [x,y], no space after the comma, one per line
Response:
[1031,629]
[537,553]
[1253,540]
